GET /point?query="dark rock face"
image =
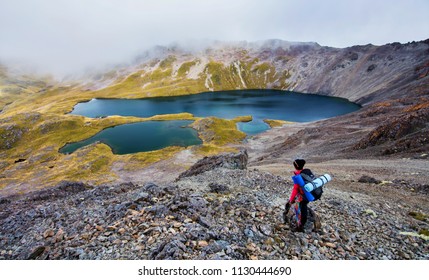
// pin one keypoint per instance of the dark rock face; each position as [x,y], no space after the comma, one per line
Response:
[363,74]
[407,131]
[229,161]
[218,188]
[368,179]
[371,67]
[11,135]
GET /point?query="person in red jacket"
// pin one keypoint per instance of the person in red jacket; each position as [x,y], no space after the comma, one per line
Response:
[298,196]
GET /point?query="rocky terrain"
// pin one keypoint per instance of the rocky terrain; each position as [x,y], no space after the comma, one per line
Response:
[230,206]
[218,212]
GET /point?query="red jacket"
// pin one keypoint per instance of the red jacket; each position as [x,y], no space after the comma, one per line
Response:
[296,189]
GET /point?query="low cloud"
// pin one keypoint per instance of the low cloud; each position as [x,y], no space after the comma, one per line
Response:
[63,36]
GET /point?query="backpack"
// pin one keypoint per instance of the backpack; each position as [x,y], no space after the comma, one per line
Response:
[308,177]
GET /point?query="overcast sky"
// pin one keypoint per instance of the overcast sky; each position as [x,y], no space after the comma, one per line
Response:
[69,35]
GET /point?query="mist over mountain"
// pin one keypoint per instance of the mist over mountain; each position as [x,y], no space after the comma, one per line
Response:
[63,37]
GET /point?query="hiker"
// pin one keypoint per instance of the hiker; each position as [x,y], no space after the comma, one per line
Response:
[298,195]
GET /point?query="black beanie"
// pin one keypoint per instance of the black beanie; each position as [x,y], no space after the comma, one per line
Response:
[299,164]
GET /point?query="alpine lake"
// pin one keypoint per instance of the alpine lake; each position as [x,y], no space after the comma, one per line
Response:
[155,135]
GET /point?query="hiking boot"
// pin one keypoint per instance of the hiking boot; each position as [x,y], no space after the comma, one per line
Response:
[285,219]
[299,229]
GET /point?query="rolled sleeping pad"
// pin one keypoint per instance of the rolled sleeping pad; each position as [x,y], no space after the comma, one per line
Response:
[297,179]
[308,195]
[317,183]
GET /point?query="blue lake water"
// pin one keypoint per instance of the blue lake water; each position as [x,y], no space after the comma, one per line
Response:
[260,104]
[142,136]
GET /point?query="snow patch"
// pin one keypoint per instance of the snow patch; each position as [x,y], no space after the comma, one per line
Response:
[195,71]
[146,85]
[238,67]
[266,75]
[209,80]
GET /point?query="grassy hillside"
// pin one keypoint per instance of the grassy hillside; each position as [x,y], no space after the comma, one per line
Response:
[13,87]
[35,124]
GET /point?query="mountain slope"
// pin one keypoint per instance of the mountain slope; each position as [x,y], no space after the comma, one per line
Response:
[359,73]
[14,86]
[390,81]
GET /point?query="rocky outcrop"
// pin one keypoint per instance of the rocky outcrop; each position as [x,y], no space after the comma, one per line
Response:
[364,74]
[407,131]
[230,161]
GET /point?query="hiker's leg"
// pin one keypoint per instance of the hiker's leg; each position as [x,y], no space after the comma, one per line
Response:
[285,212]
[317,224]
[304,212]
[287,206]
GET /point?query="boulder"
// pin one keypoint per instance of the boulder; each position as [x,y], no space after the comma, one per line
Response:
[229,161]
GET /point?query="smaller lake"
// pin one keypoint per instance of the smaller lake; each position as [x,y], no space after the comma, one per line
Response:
[142,136]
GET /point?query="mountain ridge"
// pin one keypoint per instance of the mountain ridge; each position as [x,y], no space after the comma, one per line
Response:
[353,73]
